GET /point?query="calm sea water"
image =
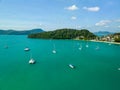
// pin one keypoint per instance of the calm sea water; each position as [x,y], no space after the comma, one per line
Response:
[95,69]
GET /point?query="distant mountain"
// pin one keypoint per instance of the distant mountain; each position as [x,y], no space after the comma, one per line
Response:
[64,34]
[24,32]
[102,33]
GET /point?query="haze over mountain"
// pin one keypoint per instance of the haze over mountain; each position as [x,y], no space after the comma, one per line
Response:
[103,33]
[22,32]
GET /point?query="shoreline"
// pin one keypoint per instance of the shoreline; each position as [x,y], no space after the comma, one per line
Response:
[105,42]
[101,41]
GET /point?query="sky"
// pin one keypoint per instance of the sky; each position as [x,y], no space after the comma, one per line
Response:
[94,15]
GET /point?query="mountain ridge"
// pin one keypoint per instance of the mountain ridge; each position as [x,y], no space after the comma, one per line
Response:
[20,32]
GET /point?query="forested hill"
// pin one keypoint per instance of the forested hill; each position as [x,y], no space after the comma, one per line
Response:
[64,34]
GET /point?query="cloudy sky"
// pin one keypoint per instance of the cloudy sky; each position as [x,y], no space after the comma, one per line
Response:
[95,15]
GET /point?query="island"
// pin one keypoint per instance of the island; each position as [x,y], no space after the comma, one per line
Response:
[20,32]
[66,33]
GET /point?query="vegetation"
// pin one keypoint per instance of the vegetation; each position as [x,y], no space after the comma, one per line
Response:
[117,37]
[64,34]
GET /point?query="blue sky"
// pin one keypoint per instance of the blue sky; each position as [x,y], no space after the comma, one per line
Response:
[94,15]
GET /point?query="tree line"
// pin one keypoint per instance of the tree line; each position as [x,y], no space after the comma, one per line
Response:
[64,34]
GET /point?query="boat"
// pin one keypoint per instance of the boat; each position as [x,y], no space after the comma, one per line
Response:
[80,48]
[54,51]
[27,49]
[71,66]
[87,46]
[31,61]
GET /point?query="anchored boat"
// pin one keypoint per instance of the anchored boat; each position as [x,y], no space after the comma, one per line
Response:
[31,61]
[71,66]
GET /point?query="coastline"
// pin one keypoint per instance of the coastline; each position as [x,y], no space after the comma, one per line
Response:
[105,42]
[101,41]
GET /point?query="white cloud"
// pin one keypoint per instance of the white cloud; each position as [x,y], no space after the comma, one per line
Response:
[72,8]
[73,18]
[92,9]
[103,23]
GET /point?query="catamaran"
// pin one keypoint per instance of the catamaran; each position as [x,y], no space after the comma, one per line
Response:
[31,61]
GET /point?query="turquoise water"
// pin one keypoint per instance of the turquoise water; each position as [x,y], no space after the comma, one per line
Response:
[95,69]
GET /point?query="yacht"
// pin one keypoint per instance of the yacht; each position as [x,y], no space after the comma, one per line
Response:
[87,46]
[71,66]
[26,49]
[54,51]
[31,61]
[80,48]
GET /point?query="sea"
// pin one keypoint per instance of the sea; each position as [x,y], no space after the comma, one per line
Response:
[96,64]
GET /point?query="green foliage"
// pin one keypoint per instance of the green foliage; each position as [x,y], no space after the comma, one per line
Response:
[117,39]
[64,34]
[116,33]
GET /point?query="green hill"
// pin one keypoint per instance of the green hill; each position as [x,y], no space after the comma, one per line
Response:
[64,34]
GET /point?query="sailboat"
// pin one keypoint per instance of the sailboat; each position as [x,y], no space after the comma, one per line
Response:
[87,45]
[32,61]
[54,50]
[27,49]
[87,42]
[71,66]
[80,48]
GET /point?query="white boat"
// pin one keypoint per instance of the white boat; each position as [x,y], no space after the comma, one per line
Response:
[27,49]
[80,48]
[71,66]
[54,51]
[31,61]
[87,46]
